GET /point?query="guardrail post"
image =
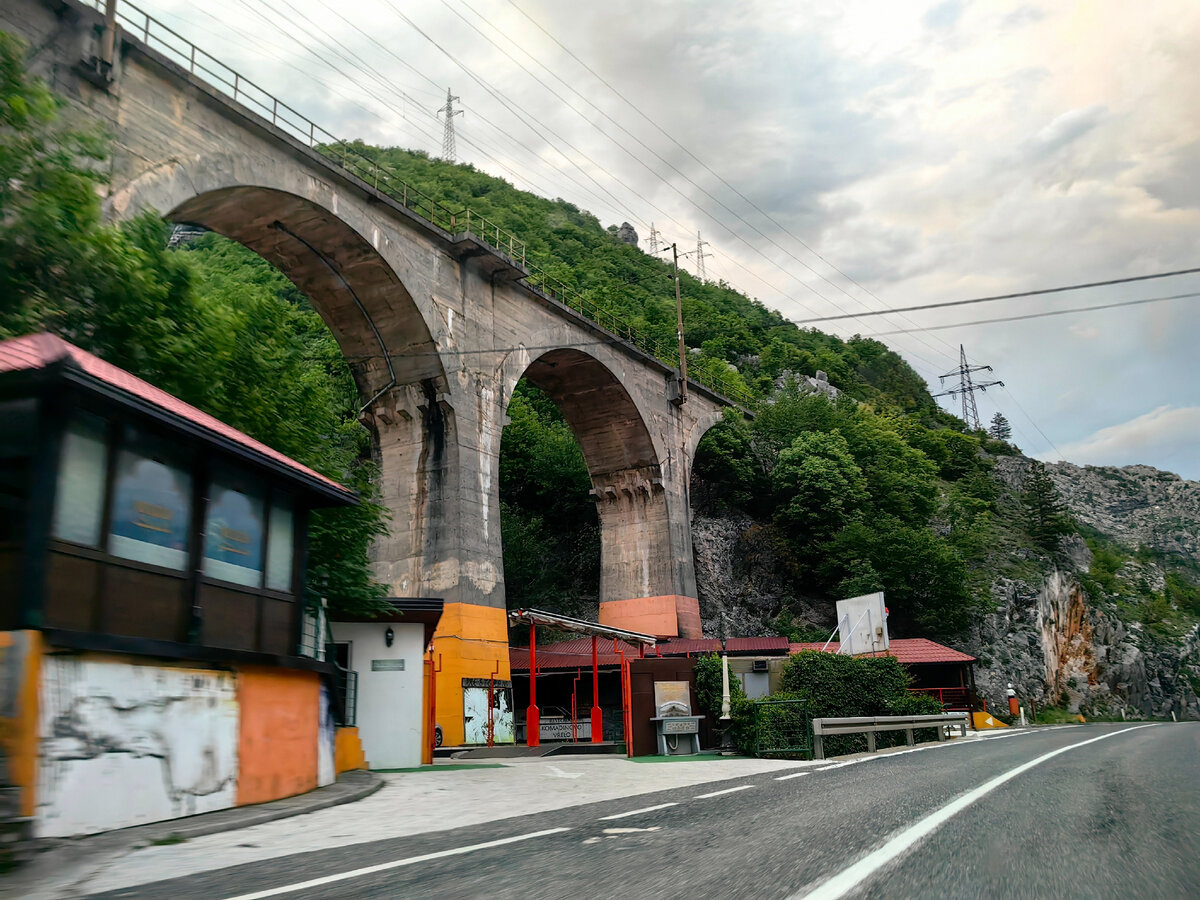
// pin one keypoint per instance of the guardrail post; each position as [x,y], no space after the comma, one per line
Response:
[818,745]
[908,737]
[870,742]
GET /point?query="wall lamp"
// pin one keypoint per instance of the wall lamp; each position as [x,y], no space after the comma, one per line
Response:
[389,636]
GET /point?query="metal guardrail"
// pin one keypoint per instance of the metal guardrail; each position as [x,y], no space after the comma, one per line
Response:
[869,725]
[226,80]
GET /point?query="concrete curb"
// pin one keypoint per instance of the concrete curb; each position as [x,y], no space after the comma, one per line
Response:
[66,861]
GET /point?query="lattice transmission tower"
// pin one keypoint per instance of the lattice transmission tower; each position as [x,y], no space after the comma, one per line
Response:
[700,256]
[654,242]
[967,387]
[448,130]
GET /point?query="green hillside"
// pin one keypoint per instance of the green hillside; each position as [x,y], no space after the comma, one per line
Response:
[880,489]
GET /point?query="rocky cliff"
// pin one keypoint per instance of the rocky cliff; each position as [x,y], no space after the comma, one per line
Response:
[1064,636]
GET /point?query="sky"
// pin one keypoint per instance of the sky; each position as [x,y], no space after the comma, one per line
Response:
[836,158]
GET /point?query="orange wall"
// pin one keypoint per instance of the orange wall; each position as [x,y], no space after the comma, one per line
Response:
[19,732]
[469,642]
[348,751]
[277,747]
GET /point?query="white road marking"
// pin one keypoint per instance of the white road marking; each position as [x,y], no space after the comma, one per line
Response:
[394,864]
[793,775]
[635,812]
[742,787]
[616,831]
[559,773]
[850,878]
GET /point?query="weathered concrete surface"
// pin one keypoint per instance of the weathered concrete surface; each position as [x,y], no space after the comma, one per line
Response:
[438,329]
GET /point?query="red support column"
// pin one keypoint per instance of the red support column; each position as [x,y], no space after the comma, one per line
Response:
[597,716]
[533,733]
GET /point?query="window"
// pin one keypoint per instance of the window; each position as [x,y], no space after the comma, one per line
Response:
[233,531]
[79,498]
[151,507]
[281,537]
[17,440]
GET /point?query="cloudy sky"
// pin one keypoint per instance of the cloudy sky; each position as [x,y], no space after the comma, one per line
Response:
[837,158]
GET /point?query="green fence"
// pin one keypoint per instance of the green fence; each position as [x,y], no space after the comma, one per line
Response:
[782,728]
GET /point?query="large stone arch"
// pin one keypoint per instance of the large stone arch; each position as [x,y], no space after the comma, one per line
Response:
[334,254]
[639,574]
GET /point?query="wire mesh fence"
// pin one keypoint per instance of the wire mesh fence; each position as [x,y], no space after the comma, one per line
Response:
[782,728]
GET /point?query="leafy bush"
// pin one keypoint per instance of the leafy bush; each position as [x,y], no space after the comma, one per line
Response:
[837,686]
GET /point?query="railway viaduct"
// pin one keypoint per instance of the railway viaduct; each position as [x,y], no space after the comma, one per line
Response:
[435,309]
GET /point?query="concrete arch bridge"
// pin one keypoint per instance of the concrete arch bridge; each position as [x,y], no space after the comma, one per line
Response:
[438,307]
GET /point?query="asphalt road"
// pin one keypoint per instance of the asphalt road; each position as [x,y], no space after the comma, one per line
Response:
[1087,811]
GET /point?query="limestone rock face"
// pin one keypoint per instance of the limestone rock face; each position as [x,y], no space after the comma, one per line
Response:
[627,235]
[1057,641]
[1135,505]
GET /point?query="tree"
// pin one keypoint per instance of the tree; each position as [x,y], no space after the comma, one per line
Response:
[1046,516]
[818,487]
[1000,429]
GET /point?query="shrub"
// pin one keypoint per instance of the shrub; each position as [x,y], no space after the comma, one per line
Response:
[837,686]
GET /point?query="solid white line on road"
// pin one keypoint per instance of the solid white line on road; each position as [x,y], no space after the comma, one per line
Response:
[741,787]
[394,864]
[634,812]
[850,878]
[793,775]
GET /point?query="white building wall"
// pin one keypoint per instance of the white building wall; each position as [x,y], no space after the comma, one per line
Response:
[124,744]
[389,700]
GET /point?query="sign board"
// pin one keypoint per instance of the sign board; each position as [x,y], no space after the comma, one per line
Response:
[673,698]
[387,665]
[862,624]
[561,731]
[685,725]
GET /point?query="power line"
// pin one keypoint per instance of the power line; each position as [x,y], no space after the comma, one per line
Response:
[636,158]
[1044,314]
[1037,293]
[708,169]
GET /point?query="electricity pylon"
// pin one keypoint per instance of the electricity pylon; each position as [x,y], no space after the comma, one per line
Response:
[700,254]
[967,387]
[448,130]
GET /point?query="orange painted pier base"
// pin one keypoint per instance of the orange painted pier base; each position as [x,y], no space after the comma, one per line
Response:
[469,643]
[348,750]
[21,654]
[277,746]
[670,615]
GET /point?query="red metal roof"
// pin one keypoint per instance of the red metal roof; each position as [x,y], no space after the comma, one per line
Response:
[757,645]
[906,650]
[577,653]
[687,646]
[40,351]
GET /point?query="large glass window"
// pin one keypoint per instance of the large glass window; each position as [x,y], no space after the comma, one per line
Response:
[279,545]
[233,531]
[152,505]
[79,497]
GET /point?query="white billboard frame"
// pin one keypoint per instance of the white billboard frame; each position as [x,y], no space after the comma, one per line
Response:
[862,625]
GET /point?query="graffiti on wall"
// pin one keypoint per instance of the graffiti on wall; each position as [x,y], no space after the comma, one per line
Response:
[124,744]
[326,738]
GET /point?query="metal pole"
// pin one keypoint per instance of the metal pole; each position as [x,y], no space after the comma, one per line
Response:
[533,734]
[597,716]
[679,330]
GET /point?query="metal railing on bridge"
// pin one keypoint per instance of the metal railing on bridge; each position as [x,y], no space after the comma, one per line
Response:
[204,66]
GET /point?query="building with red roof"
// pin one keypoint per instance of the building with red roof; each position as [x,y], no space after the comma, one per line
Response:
[152,564]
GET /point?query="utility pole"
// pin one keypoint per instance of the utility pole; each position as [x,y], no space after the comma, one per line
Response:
[700,254]
[967,387]
[448,130]
[655,239]
[679,331]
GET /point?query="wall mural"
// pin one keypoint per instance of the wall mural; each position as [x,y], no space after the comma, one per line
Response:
[478,694]
[126,744]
